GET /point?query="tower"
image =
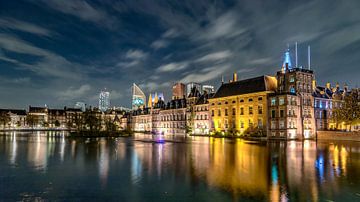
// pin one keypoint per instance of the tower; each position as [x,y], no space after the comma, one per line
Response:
[104,100]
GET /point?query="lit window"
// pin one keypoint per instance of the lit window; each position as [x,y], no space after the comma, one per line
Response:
[233,111]
[241,111]
[292,90]
[292,79]
[281,101]
[260,109]
[250,110]
[273,101]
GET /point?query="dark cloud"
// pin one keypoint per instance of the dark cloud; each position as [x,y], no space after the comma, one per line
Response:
[68,51]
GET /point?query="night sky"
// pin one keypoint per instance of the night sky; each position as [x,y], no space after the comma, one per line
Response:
[57,52]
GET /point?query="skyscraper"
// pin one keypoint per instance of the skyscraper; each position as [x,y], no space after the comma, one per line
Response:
[178,91]
[138,97]
[208,88]
[104,100]
[190,85]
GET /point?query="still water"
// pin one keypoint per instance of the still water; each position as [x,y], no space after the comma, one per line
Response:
[40,165]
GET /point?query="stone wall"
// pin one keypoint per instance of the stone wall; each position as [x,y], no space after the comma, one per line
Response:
[338,135]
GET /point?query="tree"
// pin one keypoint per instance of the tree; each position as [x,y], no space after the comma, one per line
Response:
[92,121]
[4,119]
[31,120]
[57,123]
[349,110]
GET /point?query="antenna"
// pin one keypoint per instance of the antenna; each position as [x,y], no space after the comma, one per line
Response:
[296,55]
[309,66]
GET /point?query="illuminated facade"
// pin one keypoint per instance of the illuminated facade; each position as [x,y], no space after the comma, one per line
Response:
[291,112]
[241,106]
[104,100]
[138,98]
[202,121]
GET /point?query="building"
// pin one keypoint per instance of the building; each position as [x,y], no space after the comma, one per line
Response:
[240,107]
[202,122]
[138,98]
[80,105]
[141,120]
[291,107]
[104,100]
[191,85]
[38,117]
[178,91]
[17,118]
[325,99]
[173,117]
[57,118]
[208,88]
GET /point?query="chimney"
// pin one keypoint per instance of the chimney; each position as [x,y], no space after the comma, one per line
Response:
[222,80]
[234,77]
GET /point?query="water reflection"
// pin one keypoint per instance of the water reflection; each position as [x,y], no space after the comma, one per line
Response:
[192,168]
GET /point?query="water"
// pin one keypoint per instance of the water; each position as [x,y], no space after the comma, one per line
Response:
[49,166]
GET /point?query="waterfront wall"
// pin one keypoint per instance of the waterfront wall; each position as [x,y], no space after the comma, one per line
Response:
[338,135]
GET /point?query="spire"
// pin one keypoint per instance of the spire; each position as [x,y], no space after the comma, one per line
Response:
[150,101]
[287,60]
[309,65]
[296,55]
[156,98]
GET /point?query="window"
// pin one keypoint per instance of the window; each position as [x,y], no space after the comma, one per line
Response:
[281,113]
[282,134]
[226,124]
[206,117]
[250,110]
[281,124]
[260,123]
[250,100]
[241,124]
[292,89]
[233,101]
[219,112]
[273,125]
[272,113]
[260,109]
[226,103]
[292,79]
[241,100]
[241,111]
[226,112]
[219,103]
[233,111]
[260,98]
[281,101]
[273,101]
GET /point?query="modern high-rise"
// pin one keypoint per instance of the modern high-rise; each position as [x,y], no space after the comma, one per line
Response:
[80,105]
[191,85]
[178,91]
[138,98]
[208,88]
[104,100]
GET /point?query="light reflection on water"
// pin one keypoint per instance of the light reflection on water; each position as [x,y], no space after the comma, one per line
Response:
[44,165]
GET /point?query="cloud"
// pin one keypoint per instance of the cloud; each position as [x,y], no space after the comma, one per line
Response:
[48,64]
[152,86]
[11,23]
[160,43]
[128,64]
[73,93]
[207,74]
[221,55]
[226,26]
[83,10]
[171,33]
[135,54]
[261,61]
[171,67]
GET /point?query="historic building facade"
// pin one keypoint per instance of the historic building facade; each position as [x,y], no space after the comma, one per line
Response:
[291,107]
[240,107]
[202,121]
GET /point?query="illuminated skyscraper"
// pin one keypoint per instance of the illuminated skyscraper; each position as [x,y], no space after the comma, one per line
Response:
[104,100]
[138,97]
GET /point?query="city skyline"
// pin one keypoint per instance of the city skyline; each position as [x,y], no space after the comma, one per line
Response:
[63,53]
